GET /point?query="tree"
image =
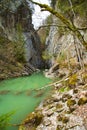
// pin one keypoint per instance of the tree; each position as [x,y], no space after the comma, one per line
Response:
[68,23]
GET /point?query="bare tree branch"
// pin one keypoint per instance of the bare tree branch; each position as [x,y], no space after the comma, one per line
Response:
[67,22]
[56,25]
[83,28]
[49,25]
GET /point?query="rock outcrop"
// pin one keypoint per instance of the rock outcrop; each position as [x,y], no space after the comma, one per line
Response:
[60,39]
[19,42]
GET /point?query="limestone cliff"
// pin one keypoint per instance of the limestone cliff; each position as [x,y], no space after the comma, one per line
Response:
[61,41]
[19,42]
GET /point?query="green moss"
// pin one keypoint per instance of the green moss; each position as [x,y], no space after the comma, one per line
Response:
[75,91]
[59,117]
[84,77]
[82,100]
[72,108]
[67,96]
[34,119]
[71,102]
[59,127]
[65,119]
[64,89]
[73,79]
[59,106]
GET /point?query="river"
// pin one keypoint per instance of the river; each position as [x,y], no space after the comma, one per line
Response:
[19,95]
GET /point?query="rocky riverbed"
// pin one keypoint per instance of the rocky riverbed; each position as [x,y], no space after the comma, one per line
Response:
[64,109]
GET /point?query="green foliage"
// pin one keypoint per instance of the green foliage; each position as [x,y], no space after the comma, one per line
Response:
[19,48]
[64,89]
[5,119]
[73,79]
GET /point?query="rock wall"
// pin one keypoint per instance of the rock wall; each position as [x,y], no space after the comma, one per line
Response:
[62,40]
[19,43]
[20,14]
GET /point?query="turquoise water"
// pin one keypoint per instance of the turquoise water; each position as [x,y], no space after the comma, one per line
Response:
[19,95]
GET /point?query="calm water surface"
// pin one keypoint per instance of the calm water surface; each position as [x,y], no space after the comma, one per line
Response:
[19,95]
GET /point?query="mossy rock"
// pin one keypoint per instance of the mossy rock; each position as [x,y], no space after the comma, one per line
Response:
[28,92]
[71,102]
[18,92]
[82,100]
[59,106]
[72,108]
[73,79]
[68,96]
[75,90]
[64,89]
[59,127]
[48,101]
[32,121]
[59,117]
[39,93]
[24,128]
[85,77]
[65,119]
[4,92]
[65,97]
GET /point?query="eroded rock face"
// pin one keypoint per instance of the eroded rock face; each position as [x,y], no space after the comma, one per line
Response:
[22,16]
[58,43]
[61,40]
[16,27]
[33,49]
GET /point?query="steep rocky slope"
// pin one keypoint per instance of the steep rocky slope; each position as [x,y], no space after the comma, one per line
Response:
[62,41]
[64,109]
[19,43]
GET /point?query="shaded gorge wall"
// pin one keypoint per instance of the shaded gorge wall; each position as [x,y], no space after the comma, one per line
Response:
[19,42]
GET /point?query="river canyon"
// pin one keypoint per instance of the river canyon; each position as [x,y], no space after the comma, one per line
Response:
[43,72]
